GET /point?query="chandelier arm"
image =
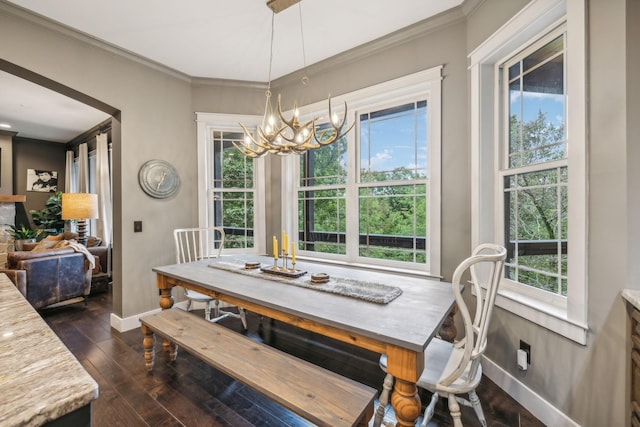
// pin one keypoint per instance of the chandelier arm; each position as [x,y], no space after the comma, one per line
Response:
[253,140]
[246,151]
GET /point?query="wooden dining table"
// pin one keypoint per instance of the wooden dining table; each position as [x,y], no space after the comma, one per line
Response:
[401,328]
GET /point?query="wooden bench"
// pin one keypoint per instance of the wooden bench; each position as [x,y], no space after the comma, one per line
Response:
[316,394]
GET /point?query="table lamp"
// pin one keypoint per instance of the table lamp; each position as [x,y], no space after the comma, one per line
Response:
[80,207]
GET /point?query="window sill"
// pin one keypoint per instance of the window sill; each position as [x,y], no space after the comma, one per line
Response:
[543,314]
[372,267]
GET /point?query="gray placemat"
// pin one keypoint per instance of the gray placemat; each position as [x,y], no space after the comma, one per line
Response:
[367,291]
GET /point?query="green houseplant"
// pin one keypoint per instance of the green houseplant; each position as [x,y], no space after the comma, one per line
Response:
[22,234]
[50,219]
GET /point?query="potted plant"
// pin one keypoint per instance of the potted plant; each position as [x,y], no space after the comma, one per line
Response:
[22,234]
[50,219]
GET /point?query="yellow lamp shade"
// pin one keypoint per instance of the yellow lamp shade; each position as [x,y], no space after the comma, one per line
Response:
[79,206]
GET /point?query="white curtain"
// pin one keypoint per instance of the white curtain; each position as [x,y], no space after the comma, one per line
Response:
[83,168]
[103,188]
[68,173]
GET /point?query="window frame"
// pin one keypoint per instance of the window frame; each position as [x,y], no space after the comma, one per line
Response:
[424,85]
[206,124]
[538,18]
[504,169]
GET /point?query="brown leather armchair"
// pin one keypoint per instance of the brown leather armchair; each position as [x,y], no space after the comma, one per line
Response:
[102,270]
[50,277]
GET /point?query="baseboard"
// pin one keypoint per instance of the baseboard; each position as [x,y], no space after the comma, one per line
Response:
[128,323]
[536,404]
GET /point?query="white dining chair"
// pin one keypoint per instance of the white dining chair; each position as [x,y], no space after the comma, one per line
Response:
[194,244]
[452,369]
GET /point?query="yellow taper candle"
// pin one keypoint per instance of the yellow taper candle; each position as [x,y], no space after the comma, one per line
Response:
[293,253]
[284,242]
[275,247]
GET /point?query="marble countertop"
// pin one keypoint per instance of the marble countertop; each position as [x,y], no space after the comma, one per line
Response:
[633,296]
[40,379]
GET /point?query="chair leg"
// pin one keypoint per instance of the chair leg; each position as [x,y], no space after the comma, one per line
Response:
[207,310]
[243,317]
[475,402]
[216,310]
[454,409]
[383,400]
[429,410]
[188,304]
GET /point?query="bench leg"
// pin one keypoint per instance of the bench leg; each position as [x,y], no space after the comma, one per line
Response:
[364,421]
[171,349]
[149,344]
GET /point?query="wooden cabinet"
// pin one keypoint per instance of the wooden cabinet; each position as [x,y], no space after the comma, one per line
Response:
[635,367]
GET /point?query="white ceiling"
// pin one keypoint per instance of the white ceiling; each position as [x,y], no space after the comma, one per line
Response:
[204,38]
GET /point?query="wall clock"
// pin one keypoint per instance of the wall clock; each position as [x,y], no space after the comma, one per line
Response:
[159,179]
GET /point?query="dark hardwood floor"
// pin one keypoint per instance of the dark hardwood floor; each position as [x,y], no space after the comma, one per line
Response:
[189,393]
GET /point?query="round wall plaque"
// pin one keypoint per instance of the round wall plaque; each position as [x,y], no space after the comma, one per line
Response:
[159,179]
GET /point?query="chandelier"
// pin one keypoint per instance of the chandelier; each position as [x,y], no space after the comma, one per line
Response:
[282,136]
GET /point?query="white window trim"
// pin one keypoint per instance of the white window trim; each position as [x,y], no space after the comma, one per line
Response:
[427,82]
[534,19]
[206,123]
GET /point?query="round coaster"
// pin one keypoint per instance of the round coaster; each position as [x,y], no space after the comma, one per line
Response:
[320,278]
[251,265]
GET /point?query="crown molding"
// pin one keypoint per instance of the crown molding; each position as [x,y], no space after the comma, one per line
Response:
[45,22]
[210,81]
[389,41]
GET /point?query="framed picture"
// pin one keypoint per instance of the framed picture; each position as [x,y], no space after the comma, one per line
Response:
[43,181]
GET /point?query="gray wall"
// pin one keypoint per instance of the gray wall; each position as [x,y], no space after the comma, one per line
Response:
[6,162]
[588,383]
[156,118]
[35,154]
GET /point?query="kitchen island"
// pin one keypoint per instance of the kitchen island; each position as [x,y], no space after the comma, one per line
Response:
[41,381]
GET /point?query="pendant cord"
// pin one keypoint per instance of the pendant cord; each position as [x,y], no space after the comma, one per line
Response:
[273,17]
[305,78]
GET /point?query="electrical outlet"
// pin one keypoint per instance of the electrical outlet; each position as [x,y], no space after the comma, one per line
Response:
[527,349]
[137,226]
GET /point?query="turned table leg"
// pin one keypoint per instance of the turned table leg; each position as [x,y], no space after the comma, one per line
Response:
[448,330]
[166,302]
[406,403]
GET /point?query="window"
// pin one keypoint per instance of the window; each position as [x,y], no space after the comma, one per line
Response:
[528,147]
[230,196]
[233,190]
[534,170]
[368,197]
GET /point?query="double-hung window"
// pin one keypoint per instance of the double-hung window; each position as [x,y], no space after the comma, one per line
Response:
[528,145]
[373,197]
[534,166]
[229,184]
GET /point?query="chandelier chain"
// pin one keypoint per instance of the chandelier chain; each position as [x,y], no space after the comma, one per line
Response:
[305,78]
[273,17]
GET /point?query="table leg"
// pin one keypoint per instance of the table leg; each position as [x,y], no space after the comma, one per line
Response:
[406,367]
[406,403]
[166,299]
[448,330]
[166,302]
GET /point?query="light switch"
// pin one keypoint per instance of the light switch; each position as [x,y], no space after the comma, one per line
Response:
[137,226]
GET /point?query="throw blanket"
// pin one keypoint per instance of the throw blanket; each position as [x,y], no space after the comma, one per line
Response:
[79,248]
